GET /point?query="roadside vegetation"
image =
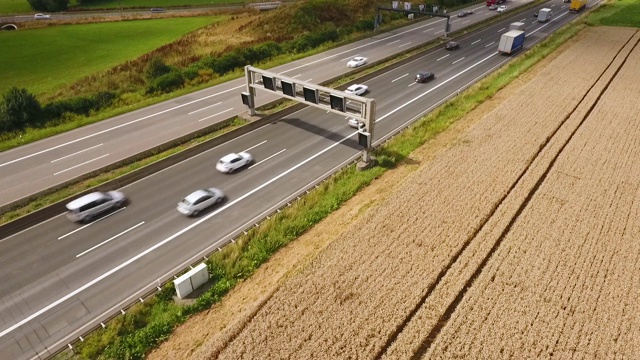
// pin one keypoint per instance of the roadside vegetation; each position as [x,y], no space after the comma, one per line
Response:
[74,52]
[22,6]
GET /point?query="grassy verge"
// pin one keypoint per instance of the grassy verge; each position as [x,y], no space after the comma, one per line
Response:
[147,324]
[75,51]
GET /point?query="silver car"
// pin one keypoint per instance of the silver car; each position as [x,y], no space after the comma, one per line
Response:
[199,200]
[91,205]
[233,162]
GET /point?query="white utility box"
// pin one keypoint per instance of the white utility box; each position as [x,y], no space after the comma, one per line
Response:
[190,281]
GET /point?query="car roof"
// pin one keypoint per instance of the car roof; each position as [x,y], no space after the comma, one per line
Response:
[424,72]
[197,195]
[229,157]
[354,86]
[85,199]
[357,58]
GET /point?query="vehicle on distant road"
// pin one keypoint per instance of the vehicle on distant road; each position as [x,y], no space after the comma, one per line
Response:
[88,207]
[199,200]
[233,162]
[424,76]
[357,89]
[511,41]
[41,16]
[157,10]
[535,15]
[577,5]
[468,12]
[502,8]
[544,15]
[452,45]
[355,123]
[495,2]
[462,14]
[357,61]
[493,7]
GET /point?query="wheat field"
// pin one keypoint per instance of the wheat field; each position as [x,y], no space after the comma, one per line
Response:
[520,241]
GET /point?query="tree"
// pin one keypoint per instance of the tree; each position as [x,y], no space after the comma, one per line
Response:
[19,109]
[49,5]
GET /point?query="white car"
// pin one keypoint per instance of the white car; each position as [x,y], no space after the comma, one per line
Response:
[88,207]
[199,200]
[502,8]
[355,123]
[41,16]
[357,89]
[233,162]
[357,61]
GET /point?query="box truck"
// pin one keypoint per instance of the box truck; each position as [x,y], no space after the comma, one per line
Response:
[511,41]
[577,5]
[517,26]
[544,15]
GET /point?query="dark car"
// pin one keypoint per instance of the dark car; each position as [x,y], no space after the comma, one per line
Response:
[535,15]
[452,45]
[462,14]
[424,76]
[157,10]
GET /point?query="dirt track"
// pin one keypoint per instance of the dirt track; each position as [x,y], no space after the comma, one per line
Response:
[511,243]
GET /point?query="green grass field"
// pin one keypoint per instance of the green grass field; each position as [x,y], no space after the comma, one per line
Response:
[617,13]
[42,59]
[22,6]
[15,7]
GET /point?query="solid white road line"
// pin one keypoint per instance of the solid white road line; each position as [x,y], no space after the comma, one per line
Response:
[404,44]
[91,223]
[393,42]
[220,209]
[84,163]
[442,57]
[258,163]
[477,41]
[118,126]
[462,58]
[216,114]
[396,79]
[206,107]
[489,44]
[109,239]
[76,153]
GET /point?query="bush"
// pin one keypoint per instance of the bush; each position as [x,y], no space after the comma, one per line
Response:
[156,68]
[18,110]
[229,62]
[166,83]
[268,50]
[49,5]
[82,105]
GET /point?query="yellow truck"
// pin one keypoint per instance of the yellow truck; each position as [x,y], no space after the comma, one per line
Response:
[577,5]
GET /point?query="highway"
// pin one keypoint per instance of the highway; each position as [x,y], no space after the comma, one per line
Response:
[41,165]
[63,278]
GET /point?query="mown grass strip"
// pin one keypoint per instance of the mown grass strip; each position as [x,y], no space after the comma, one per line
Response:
[133,335]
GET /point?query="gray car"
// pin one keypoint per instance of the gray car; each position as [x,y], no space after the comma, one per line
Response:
[199,200]
[91,205]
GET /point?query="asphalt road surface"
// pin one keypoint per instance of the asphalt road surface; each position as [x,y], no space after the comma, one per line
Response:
[41,165]
[60,278]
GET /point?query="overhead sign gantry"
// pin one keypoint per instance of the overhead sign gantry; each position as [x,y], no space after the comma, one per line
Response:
[332,100]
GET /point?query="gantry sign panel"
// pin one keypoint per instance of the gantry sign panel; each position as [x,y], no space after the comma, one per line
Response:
[336,101]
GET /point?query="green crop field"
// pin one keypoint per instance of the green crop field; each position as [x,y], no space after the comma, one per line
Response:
[15,7]
[42,59]
[22,6]
[105,4]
